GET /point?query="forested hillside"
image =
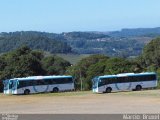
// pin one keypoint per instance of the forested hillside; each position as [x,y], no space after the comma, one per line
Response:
[138,32]
[35,40]
[99,43]
[124,43]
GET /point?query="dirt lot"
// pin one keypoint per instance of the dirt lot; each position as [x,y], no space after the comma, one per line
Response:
[147,101]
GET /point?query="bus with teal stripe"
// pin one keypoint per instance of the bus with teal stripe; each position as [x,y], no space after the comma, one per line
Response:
[38,84]
[124,82]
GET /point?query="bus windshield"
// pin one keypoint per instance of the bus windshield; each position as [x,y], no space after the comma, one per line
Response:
[6,84]
[95,82]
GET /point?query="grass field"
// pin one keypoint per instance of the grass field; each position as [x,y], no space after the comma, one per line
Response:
[85,102]
[73,58]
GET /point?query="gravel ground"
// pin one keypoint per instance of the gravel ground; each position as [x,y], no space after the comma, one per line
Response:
[147,101]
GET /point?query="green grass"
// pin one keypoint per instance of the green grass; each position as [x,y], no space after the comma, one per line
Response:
[73,58]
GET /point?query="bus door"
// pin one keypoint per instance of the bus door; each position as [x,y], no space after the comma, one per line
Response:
[14,87]
[10,86]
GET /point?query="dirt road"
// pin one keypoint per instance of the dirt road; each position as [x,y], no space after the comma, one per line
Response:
[83,103]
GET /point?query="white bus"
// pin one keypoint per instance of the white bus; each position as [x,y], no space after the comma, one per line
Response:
[123,82]
[38,84]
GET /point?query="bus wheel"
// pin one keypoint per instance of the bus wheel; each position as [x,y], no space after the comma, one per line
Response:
[108,90]
[27,92]
[138,87]
[55,90]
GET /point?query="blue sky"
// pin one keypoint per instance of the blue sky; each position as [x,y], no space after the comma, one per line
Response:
[77,15]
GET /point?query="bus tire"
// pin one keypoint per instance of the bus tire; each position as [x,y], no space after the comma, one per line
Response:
[27,92]
[108,90]
[55,90]
[138,88]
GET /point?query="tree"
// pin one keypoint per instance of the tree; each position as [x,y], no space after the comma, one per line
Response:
[21,63]
[151,53]
[55,65]
[80,70]
[150,57]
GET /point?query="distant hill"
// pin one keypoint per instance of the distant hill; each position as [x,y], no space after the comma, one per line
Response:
[35,40]
[138,32]
[124,43]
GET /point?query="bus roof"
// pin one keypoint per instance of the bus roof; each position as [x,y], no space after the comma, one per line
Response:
[41,77]
[127,74]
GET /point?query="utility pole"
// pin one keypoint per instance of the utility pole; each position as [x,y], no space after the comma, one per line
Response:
[80,77]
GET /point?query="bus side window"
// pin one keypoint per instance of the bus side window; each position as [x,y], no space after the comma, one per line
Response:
[69,80]
[36,82]
[57,81]
[119,80]
[29,83]
[153,77]
[149,77]
[50,81]
[54,81]
[126,79]
[64,80]
[132,79]
[136,78]
[22,84]
[114,80]
[146,78]
[106,81]
[40,82]
[33,82]
[102,81]
[129,79]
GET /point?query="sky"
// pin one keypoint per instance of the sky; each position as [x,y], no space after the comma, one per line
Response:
[77,15]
